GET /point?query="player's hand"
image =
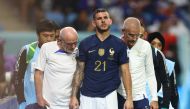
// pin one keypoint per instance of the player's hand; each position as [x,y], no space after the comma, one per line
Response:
[42,102]
[74,104]
[128,104]
[154,105]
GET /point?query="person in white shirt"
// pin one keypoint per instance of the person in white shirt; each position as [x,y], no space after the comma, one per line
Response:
[140,66]
[54,70]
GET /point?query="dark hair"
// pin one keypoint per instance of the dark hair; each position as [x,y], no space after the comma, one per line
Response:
[57,27]
[158,35]
[45,25]
[97,11]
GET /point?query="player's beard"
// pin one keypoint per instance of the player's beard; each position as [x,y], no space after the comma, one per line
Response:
[102,30]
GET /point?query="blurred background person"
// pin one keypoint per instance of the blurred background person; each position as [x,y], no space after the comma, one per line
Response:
[161,72]
[157,40]
[24,70]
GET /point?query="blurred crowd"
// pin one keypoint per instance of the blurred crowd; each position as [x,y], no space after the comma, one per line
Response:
[76,12]
[170,17]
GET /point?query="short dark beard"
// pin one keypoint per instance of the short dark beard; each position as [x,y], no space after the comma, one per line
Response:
[101,30]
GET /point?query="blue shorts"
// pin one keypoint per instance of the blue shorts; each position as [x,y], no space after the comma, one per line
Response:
[140,104]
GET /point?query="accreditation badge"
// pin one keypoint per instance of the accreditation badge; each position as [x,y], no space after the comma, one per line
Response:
[101,52]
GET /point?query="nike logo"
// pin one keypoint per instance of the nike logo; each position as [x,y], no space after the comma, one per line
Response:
[90,51]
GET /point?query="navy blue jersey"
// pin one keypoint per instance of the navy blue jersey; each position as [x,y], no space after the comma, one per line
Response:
[102,60]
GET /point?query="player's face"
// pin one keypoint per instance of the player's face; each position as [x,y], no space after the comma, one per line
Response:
[156,43]
[46,36]
[130,36]
[102,21]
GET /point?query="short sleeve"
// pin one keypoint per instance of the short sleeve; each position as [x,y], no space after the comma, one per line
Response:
[82,53]
[41,60]
[123,56]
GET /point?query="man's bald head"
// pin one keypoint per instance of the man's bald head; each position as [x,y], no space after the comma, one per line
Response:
[67,33]
[131,22]
[131,31]
[68,39]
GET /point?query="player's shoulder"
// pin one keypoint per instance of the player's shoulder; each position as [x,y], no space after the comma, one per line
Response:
[116,39]
[117,42]
[26,46]
[35,42]
[49,44]
[88,38]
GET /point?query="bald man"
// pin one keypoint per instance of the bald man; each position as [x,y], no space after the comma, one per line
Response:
[54,70]
[140,66]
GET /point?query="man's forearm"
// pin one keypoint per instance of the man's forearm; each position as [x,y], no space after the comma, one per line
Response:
[75,84]
[38,83]
[77,79]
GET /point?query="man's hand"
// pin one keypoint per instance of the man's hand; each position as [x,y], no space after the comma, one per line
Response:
[128,104]
[42,102]
[154,105]
[74,104]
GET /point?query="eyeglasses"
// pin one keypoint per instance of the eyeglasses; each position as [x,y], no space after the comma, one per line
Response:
[68,43]
[71,44]
[133,35]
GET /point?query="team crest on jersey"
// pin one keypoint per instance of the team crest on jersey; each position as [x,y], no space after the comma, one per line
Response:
[101,52]
[112,52]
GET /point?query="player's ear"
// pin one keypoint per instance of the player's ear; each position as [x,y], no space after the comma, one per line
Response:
[93,23]
[110,22]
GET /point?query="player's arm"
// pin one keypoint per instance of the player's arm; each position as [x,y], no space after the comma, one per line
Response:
[20,69]
[126,76]
[77,79]
[78,76]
